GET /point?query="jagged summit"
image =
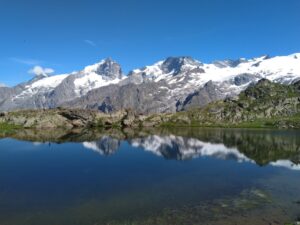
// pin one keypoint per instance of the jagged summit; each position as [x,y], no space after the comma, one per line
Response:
[175,64]
[106,67]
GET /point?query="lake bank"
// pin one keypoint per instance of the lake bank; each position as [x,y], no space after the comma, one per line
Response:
[71,119]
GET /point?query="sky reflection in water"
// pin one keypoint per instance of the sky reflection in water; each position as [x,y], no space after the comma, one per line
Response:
[144,176]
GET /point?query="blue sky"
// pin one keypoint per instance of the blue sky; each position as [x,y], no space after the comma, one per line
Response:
[66,35]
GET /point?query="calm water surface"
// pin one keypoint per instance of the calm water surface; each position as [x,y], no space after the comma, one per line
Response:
[178,176]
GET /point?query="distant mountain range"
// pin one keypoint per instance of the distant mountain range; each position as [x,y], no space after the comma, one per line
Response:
[174,84]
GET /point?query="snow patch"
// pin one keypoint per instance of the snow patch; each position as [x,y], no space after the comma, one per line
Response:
[91,81]
[43,85]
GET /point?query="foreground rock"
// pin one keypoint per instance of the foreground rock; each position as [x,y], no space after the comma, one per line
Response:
[73,118]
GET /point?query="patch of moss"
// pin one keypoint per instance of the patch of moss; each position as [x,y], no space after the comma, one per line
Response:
[6,128]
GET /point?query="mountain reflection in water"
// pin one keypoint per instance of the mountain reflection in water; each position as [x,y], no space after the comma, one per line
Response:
[263,147]
[120,176]
[180,148]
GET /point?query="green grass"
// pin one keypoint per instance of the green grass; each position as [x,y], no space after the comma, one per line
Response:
[258,123]
[6,128]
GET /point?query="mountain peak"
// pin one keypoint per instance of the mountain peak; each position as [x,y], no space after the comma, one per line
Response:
[37,78]
[106,67]
[175,64]
[162,84]
[108,60]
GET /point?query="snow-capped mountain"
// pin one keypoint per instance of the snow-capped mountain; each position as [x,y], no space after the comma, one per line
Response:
[179,83]
[105,146]
[280,68]
[176,83]
[50,91]
[186,77]
[180,148]
[91,77]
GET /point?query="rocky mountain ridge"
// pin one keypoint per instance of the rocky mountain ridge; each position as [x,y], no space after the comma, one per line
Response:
[170,85]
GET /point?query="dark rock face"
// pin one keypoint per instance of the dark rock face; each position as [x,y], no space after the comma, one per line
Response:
[297,85]
[242,79]
[135,78]
[106,106]
[107,145]
[197,70]
[175,64]
[143,98]
[110,69]
[228,62]
[210,92]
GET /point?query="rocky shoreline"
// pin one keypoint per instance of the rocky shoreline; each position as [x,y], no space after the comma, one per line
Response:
[265,104]
[77,118]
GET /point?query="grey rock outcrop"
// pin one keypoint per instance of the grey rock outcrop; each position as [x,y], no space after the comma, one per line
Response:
[109,68]
[209,93]
[142,98]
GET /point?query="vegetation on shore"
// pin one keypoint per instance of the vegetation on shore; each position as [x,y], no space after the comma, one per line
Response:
[275,146]
[274,122]
[264,105]
[7,128]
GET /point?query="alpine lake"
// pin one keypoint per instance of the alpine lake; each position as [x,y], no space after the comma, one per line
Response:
[163,176]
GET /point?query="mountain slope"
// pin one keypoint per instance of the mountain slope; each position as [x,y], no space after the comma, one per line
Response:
[143,98]
[181,83]
[50,91]
[263,104]
[174,84]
